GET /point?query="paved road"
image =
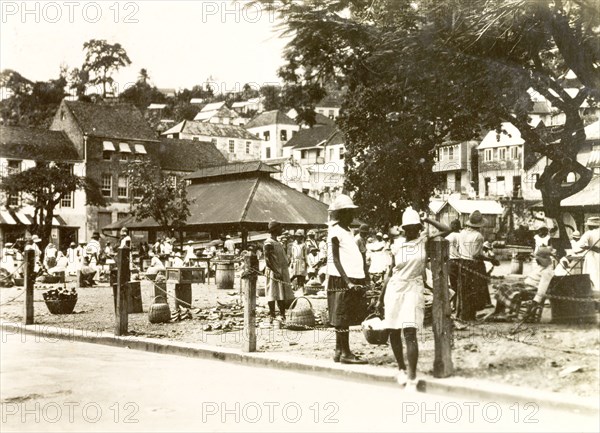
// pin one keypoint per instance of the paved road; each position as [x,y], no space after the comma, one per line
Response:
[69,386]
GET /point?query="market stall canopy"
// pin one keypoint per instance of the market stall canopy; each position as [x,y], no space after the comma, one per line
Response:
[242,195]
[588,196]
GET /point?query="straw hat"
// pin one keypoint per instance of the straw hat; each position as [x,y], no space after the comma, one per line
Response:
[475,220]
[299,232]
[576,235]
[342,201]
[36,238]
[410,217]
[379,235]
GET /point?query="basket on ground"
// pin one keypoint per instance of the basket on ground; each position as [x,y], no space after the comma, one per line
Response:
[159,312]
[373,330]
[300,317]
[61,306]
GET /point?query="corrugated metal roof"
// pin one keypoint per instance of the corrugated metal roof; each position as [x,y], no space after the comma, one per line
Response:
[195,127]
[272,117]
[213,106]
[250,202]
[486,207]
[588,196]
[510,136]
[232,169]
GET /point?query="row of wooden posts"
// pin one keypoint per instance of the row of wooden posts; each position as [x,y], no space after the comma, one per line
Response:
[442,322]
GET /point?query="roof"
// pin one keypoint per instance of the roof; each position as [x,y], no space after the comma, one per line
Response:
[541,107]
[336,138]
[510,136]
[185,155]
[197,101]
[213,106]
[120,120]
[588,196]
[221,112]
[231,169]
[36,144]
[323,120]
[310,137]
[195,127]
[463,206]
[435,206]
[246,202]
[157,106]
[270,118]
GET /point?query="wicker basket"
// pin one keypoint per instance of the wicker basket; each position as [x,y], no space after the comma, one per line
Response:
[61,306]
[159,312]
[300,317]
[375,336]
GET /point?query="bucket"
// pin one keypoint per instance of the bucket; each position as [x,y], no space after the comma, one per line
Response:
[225,275]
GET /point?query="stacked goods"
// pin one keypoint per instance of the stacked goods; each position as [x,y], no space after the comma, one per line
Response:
[60,300]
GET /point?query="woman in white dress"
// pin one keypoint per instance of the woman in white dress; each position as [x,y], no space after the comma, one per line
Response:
[402,294]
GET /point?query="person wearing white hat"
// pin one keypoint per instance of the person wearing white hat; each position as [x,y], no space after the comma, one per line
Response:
[229,245]
[402,296]
[346,297]
[311,240]
[378,257]
[575,236]
[7,260]
[589,244]
[298,260]
[473,293]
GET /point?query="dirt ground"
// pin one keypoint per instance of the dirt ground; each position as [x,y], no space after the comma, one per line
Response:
[561,358]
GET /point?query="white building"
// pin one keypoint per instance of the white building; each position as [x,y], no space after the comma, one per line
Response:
[234,142]
[275,128]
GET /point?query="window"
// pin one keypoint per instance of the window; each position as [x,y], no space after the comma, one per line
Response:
[457,181]
[331,154]
[514,152]
[123,156]
[267,135]
[67,200]
[122,216]
[106,185]
[122,187]
[283,135]
[320,111]
[231,146]
[502,153]
[248,146]
[195,139]
[137,193]
[516,186]
[488,155]
[303,154]
[173,180]
[486,183]
[331,115]
[106,155]
[342,153]
[451,152]
[267,152]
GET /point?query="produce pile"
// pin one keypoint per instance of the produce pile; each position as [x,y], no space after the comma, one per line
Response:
[60,294]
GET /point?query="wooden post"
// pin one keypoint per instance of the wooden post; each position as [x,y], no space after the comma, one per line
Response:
[29,282]
[248,283]
[121,318]
[442,322]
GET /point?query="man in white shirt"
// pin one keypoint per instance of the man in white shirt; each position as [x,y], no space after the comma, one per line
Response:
[589,244]
[229,245]
[541,239]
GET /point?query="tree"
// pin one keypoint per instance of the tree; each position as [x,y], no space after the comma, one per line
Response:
[102,60]
[446,69]
[44,186]
[143,76]
[29,103]
[157,196]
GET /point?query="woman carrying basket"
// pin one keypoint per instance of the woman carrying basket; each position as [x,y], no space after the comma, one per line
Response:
[402,294]
[346,296]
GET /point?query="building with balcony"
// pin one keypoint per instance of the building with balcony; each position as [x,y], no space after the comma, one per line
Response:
[453,163]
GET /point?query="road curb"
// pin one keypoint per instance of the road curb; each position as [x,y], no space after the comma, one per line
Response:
[476,390]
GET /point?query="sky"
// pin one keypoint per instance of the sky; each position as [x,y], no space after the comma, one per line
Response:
[180,43]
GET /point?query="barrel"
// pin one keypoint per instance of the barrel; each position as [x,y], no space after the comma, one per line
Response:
[516,266]
[566,308]
[225,275]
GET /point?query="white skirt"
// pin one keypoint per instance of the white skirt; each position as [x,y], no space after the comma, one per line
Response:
[404,303]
